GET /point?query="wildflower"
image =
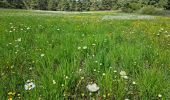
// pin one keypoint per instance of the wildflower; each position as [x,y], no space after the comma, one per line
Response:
[122,73]
[12,66]
[82,78]
[11,94]
[104,96]
[85,47]
[18,40]
[159,95]
[58,29]
[54,82]
[133,82]
[126,99]
[79,48]
[94,70]
[10,31]
[103,74]
[96,61]
[29,85]
[115,71]
[66,77]
[30,68]
[62,85]
[92,87]
[42,55]
[28,28]
[101,64]
[82,94]
[80,70]
[125,77]
[93,44]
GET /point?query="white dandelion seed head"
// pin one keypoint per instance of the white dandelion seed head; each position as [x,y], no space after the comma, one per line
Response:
[92,87]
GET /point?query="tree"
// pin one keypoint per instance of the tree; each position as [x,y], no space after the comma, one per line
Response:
[79,5]
[42,4]
[72,5]
[106,4]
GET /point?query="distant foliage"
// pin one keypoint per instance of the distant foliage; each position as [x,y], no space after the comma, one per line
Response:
[151,10]
[84,5]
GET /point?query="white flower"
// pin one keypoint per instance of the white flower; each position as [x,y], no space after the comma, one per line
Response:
[54,82]
[85,47]
[28,28]
[79,48]
[42,55]
[93,44]
[58,29]
[125,77]
[103,74]
[19,39]
[29,85]
[66,77]
[159,95]
[115,71]
[122,73]
[133,82]
[92,87]
[82,78]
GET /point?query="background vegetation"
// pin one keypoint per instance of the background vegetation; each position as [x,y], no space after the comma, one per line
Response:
[84,5]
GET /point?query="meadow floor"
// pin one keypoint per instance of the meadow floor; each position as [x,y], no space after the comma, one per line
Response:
[57,56]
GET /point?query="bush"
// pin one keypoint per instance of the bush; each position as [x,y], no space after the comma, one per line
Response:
[126,10]
[151,10]
[135,6]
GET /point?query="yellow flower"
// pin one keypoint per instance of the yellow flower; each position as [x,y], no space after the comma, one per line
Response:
[11,93]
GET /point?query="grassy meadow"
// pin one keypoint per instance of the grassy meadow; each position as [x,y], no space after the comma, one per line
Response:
[61,53]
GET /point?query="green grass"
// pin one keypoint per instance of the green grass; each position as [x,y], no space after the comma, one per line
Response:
[139,47]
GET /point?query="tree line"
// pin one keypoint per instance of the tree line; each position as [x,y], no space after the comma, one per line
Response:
[83,5]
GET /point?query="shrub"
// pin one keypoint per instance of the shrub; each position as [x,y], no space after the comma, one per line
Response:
[151,10]
[135,6]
